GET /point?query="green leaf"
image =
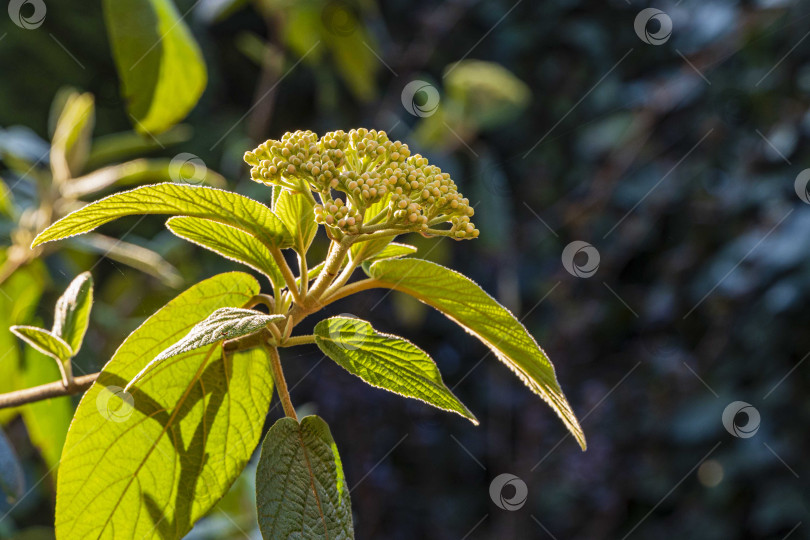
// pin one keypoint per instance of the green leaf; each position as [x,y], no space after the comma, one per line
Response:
[463,301]
[224,323]
[43,341]
[388,362]
[175,199]
[71,138]
[160,66]
[297,212]
[151,463]
[72,313]
[300,488]
[12,480]
[48,344]
[230,242]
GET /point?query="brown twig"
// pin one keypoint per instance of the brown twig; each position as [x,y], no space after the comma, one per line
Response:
[46,391]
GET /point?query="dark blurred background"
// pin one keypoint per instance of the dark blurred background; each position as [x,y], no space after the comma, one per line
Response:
[672,154]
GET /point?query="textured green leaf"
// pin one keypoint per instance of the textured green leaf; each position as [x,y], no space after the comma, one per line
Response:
[12,480]
[160,66]
[48,344]
[150,464]
[43,341]
[224,323]
[71,138]
[297,212]
[300,488]
[387,362]
[174,199]
[463,301]
[230,242]
[72,313]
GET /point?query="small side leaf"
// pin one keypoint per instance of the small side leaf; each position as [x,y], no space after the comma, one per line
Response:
[44,342]
[388,362]
[174,199]
[230,242]
[300,488]
[463,301]
[48,344]
[224,323]
[72,313]
[12,480]
[297,212]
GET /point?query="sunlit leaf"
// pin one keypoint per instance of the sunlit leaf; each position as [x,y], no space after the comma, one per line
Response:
[174,199]
[72,313]
[463,301]
[230,242]
[151,463]
[297,212]
[300,488]
[224,323]
[388,362]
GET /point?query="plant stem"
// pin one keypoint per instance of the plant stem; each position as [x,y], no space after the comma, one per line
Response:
[298,340]
[47,391]
[330,270]
[353,288]
[289,278]
[281,383]
[303,270]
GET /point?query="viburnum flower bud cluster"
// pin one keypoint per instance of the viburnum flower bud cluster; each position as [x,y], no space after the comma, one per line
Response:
[403,191]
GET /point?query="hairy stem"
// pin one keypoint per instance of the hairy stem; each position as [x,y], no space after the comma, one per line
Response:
[330,270]
[298,340]
[281,383]
[47,391]
[354,288]
[289,278]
